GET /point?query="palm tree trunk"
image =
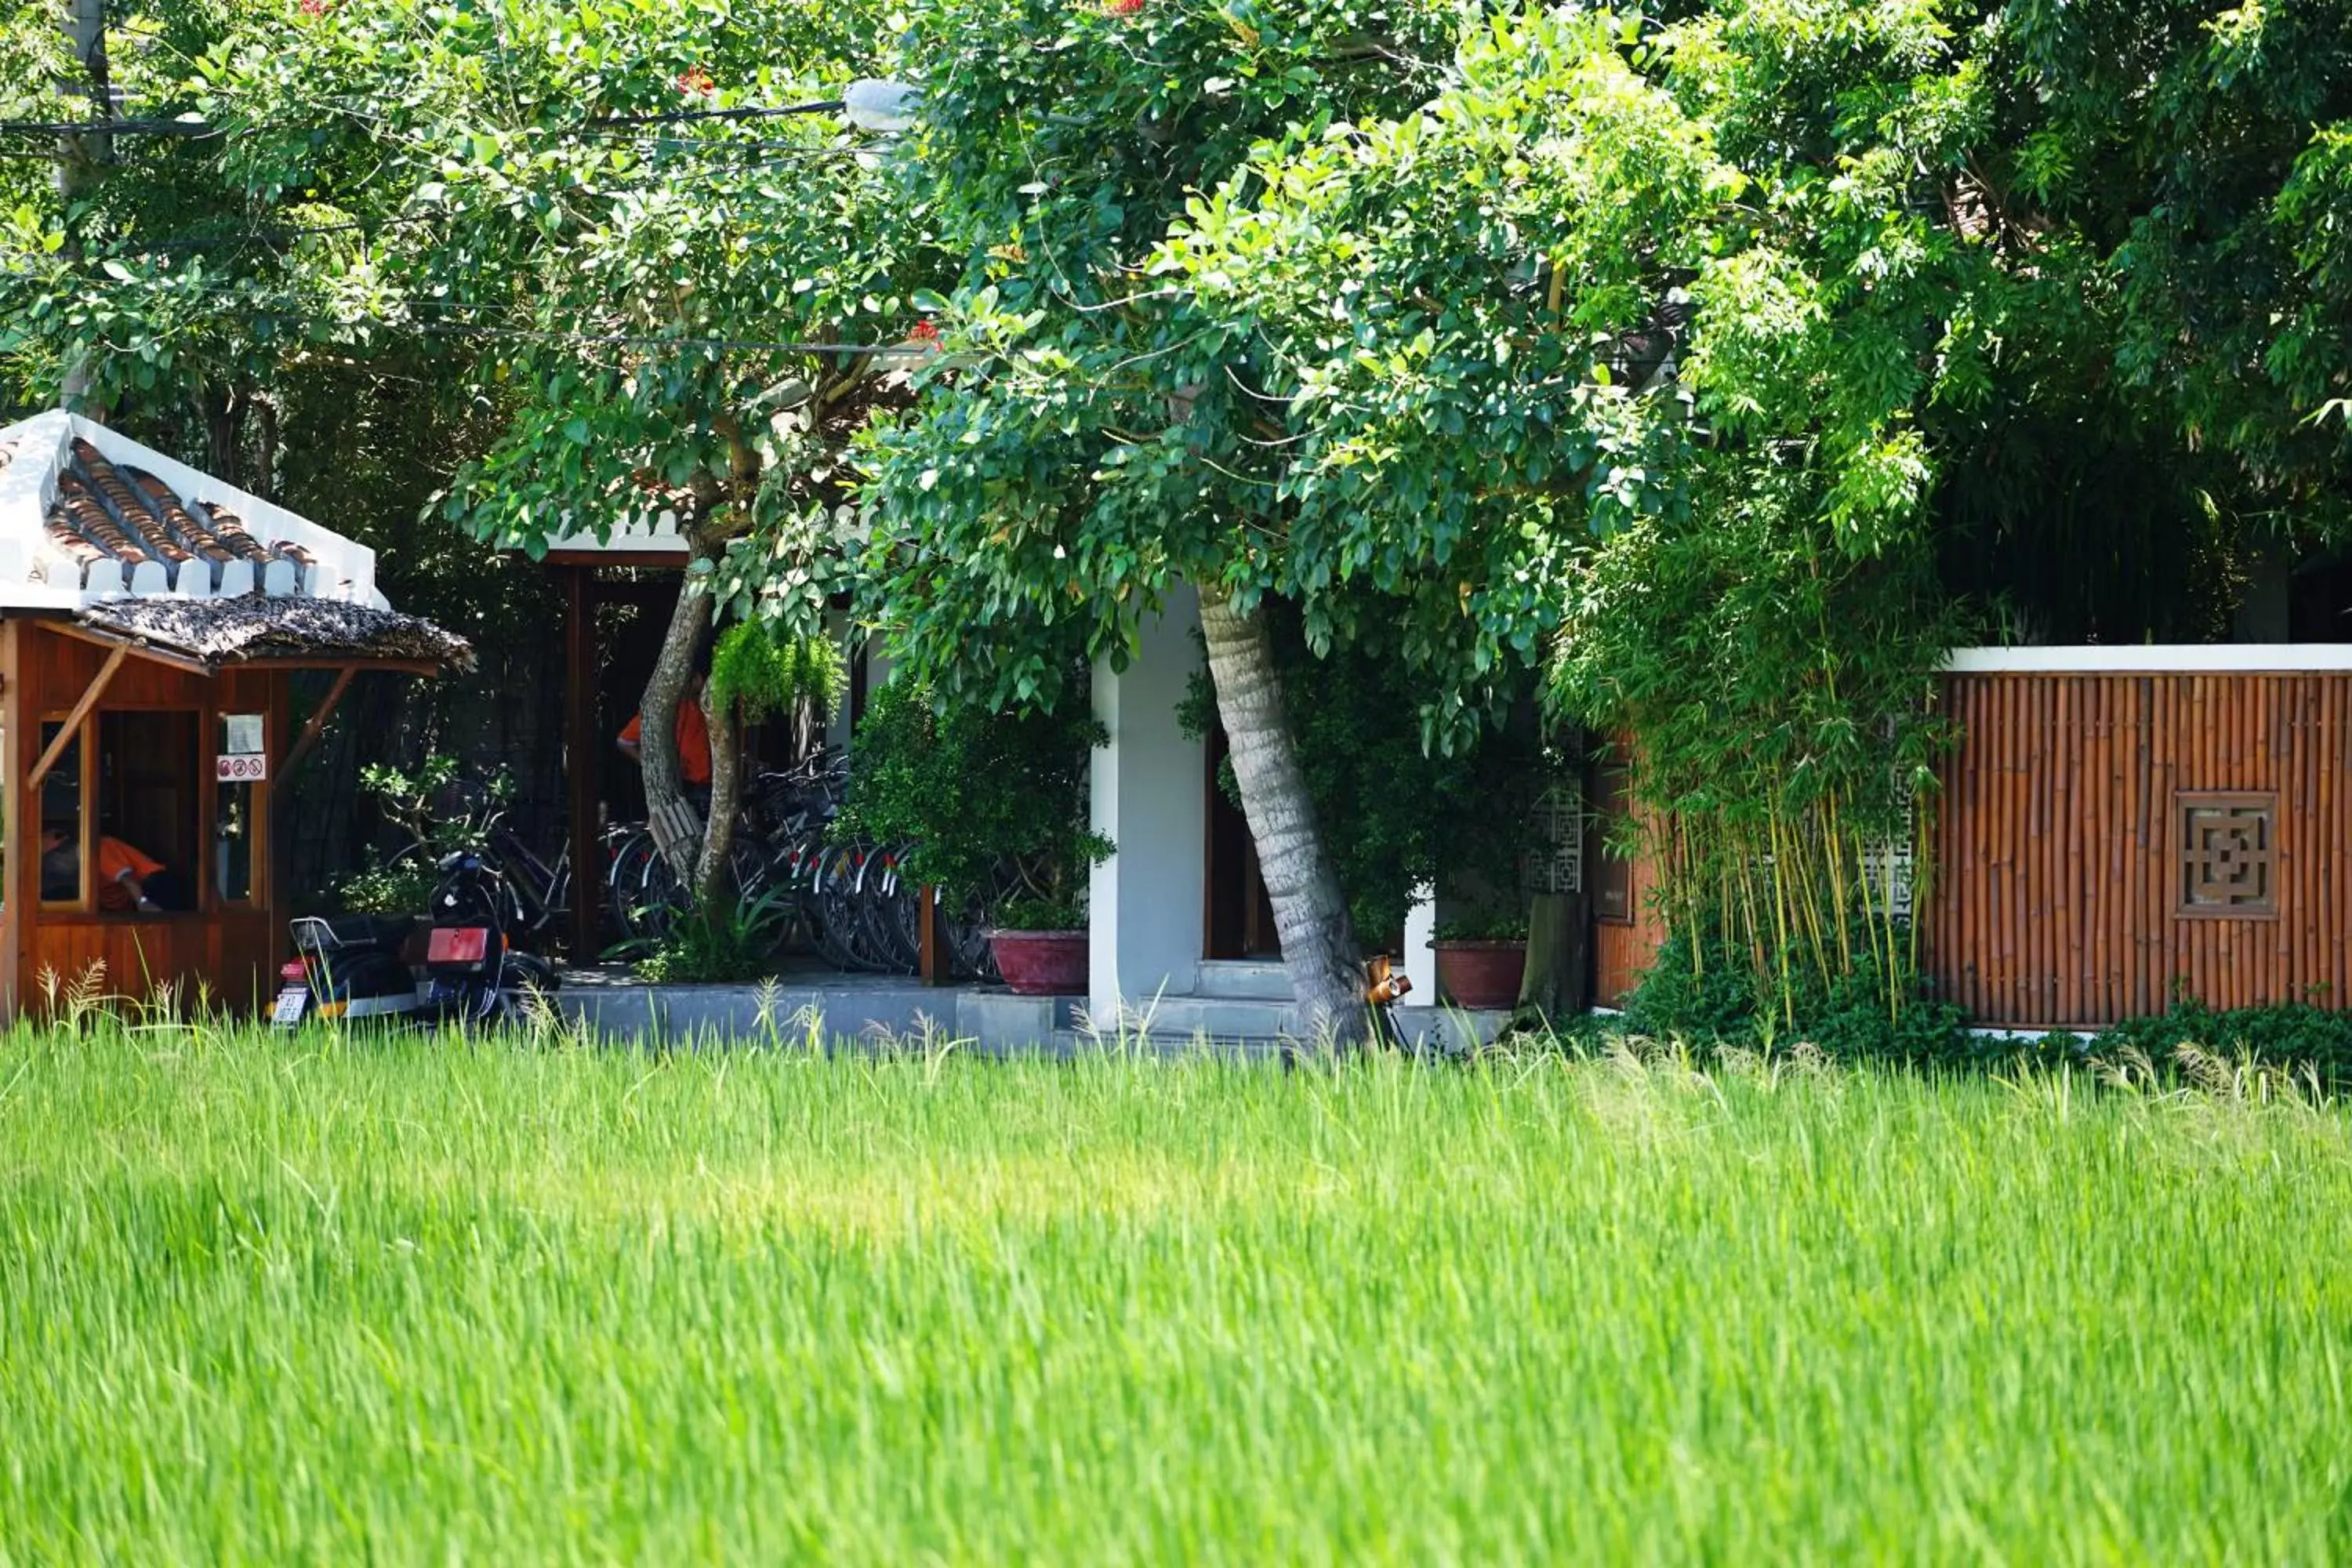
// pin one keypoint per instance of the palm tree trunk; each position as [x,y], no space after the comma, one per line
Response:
[1310,913]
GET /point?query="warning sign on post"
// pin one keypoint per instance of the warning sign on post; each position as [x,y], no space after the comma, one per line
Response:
[234,768]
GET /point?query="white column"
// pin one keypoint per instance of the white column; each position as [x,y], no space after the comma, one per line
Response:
[1420,958]
[1151,799]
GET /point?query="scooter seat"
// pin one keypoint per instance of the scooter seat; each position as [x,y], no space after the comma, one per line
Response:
[329,934]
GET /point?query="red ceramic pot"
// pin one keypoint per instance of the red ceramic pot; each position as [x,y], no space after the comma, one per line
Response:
[1481,975]
[1040,963]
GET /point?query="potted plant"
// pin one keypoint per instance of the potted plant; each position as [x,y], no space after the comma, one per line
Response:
[1481,960]
[994,809]
[1040,946]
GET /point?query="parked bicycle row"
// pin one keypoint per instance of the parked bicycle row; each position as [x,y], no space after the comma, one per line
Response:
[845,903]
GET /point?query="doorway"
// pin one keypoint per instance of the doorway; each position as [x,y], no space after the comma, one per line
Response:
[1238,915]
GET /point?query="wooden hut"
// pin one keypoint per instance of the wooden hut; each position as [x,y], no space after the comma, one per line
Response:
[152,620]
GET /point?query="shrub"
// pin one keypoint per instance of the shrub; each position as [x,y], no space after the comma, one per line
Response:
[1862,1014]
[968,791]
[721,943]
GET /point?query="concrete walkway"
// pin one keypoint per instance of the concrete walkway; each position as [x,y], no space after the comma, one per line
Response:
[824,1007]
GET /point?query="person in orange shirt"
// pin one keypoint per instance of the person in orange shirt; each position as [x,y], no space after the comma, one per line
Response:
[693,732]
[129,878]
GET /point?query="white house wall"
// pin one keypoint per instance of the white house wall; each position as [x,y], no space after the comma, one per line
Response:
[1151,799]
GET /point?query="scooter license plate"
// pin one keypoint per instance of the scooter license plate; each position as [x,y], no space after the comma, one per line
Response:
[292,1003]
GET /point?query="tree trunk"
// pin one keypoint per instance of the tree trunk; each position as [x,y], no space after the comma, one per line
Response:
[1311,911]
[1559,949]
[1559,925]
[81,154]
[677,826]
[726,792]
[264,482]
[223,415]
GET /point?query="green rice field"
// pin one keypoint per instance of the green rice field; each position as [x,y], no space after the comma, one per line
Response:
[310,1301]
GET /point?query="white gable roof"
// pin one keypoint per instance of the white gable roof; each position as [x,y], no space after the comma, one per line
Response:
[67,567]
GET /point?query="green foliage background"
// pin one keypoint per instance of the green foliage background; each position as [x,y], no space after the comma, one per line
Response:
[970,790]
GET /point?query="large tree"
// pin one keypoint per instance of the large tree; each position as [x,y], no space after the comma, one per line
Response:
[1080,461]
[674,273]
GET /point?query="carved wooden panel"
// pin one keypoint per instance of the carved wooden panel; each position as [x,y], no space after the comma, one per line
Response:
[2228,854]
[1555,855]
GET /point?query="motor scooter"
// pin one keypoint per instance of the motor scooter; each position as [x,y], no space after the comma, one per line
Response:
[462,967]
[348,966]
[473,973]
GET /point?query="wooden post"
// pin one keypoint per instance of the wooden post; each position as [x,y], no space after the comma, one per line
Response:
[318,724]
[580,761]
[931,966]
[77,719]
[20,898]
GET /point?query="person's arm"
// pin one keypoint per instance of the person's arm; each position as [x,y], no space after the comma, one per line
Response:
[135,886]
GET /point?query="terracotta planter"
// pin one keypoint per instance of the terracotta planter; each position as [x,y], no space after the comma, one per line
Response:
[1040,963]
[1481,975]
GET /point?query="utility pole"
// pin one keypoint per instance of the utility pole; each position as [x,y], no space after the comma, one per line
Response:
[81,154]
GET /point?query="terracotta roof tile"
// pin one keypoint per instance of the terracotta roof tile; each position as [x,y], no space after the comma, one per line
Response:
[79,510]
[126,504]
[103,512]
[233,534]
[185,528]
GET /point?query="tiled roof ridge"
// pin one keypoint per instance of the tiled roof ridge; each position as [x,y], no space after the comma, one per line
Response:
[116,522]
[124,503]
[191,532]
[78,515]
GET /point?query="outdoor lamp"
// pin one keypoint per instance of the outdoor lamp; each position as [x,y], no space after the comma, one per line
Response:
[885,107]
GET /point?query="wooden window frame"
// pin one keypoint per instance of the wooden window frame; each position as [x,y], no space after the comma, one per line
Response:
[1604,868]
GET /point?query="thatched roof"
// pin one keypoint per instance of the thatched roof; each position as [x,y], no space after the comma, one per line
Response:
[253,626]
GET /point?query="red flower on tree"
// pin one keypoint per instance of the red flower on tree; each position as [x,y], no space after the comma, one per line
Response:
[696,82]
[1121,7]
[925,332]
[313,7]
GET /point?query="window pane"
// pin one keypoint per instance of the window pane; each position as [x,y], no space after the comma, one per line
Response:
[233,842]
[235,827]
[1611,875]
[61,820]
[149,806]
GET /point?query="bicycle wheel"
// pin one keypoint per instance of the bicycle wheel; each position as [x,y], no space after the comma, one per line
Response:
[842,910]
[888,906]
[640,889]
[803,866]
[662,895]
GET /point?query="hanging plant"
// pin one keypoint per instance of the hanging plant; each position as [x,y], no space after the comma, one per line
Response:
[765,672]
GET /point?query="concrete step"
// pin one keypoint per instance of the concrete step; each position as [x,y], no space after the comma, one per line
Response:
[1245,979]
[1070,1043]
[1218,1018]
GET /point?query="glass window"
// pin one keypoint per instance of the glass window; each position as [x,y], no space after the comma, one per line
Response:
[1611,875]
[234,819]
[149,804]
[60,819]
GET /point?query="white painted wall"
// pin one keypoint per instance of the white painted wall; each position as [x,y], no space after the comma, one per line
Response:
[1151,799]
[1420,958]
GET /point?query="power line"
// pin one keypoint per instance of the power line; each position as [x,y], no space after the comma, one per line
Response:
[190,128]
[828,106]
[199,128]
